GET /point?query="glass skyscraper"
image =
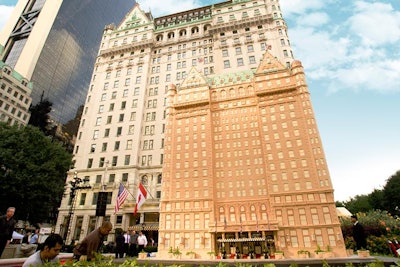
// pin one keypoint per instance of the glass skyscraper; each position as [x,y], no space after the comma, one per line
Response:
[54,45]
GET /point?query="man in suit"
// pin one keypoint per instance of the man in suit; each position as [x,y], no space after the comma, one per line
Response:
[358,233]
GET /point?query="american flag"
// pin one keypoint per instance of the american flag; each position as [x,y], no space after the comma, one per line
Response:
[122,195]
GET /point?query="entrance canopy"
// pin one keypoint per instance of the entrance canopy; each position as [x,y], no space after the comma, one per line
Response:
[253,239]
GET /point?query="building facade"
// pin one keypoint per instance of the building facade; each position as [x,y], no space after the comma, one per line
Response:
[53,44]
[209,111]
[15,98]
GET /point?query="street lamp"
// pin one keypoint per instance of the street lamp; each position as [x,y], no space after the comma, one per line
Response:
[76,184]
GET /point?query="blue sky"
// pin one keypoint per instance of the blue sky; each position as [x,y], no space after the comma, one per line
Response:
[351,54]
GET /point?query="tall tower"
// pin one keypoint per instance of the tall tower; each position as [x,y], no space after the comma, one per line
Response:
[53,45]
[208,109]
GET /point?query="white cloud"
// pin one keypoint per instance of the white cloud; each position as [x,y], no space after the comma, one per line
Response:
[5,12]
[375,23]
[165,7]
[347,53]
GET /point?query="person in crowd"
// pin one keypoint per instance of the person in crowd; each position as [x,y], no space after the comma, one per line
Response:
[35,237]
[7,224]
[120,245]
[92,242]
[127,239]
[358,233]
[133,246]
[27,237]
[49,251]
[142,241]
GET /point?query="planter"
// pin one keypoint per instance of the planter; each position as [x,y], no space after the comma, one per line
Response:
[328,254]
[319,255]
[350,252]
[363,253]
[279,256]
[303,255]
[142,255]
[177,256]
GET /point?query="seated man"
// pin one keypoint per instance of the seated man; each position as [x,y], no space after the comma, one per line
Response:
[48,253]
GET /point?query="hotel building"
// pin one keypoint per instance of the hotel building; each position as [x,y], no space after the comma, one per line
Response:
[208,109]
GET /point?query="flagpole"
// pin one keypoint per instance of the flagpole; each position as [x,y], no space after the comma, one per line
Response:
[127,189]
[148,192]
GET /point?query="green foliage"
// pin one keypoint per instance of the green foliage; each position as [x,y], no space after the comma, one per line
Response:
[380,226]
[391,194]
[33,170]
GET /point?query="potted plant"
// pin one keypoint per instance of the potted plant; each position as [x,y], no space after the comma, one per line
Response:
[304,254]
[170,252]
[279,254]
[142,254]
[363,253]
[318,252]
[177,253]
[211,254]
[328,253]
[191,254]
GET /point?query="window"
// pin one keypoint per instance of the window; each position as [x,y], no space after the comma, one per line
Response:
[104,147]
[111,178]
[116,145]
[114,161]
[96,134]
[107,132]
[125,177]
[111,108]
[119,131]
[121,118]
[101,162]
[226,64]
[250,48]
[127,160]
[108,75]
[92,148]
[98,121]
[82,200]
[240,62]
[90,163]
[252,60]
[238,50]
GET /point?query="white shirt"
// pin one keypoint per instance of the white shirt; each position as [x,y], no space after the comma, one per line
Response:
[142,240]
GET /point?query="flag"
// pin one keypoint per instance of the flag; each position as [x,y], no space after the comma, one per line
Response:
[141,197]
[224,223]
[241,226]
[122,195]
[269,47]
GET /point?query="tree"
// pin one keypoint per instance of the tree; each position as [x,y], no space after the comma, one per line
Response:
[391,194]
[40,115]
[359,203]
[32,172]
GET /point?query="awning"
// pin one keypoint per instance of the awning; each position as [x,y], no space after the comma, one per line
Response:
[145,227]
[231,240]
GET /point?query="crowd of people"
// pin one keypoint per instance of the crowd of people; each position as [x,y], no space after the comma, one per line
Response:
[129,243]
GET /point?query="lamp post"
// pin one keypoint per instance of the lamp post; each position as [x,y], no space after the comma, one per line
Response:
[76,184]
